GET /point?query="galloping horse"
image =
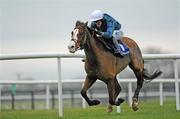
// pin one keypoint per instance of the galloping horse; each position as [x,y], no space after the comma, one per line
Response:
[103,65]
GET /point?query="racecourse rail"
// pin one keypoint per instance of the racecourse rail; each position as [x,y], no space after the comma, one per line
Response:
[59,56]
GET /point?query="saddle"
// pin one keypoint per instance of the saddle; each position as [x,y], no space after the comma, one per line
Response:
[108,44]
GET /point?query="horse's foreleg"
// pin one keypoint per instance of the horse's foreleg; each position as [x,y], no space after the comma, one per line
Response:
[113,90]
[87,84]
[140,80]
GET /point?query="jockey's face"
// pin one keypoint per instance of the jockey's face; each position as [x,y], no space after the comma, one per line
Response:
[98,23]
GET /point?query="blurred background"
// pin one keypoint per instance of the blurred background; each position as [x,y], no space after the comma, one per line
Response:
[44,26]
[33,26]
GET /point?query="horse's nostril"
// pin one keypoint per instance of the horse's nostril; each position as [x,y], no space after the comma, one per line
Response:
[72,46]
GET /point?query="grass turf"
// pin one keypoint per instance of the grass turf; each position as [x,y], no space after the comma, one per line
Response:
[148,110]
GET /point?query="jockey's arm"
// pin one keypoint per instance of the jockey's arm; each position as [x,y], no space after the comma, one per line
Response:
[93,25]
[109,32]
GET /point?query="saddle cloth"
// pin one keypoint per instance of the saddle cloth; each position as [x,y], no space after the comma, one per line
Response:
[109,45]
[124,50]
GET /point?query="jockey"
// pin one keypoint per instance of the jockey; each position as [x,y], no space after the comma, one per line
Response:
[107,27]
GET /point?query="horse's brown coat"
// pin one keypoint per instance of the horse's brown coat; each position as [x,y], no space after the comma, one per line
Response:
[103,65]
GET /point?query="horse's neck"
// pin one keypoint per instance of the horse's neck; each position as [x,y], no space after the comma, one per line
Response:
[93,48]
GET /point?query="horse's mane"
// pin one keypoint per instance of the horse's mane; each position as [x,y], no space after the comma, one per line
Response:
[94,35]
[99,38]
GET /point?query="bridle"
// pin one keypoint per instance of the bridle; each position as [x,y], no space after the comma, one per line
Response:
[83,40]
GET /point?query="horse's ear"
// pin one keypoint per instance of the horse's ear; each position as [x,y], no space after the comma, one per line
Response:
[78,23]
[86,23]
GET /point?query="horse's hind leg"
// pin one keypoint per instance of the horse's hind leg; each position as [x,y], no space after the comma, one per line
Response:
[140,80]
[137,65]
[87,84]
[113,90]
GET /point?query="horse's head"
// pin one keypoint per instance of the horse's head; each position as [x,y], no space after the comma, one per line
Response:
[78,37]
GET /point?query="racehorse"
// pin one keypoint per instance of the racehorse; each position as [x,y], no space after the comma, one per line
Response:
[103,65]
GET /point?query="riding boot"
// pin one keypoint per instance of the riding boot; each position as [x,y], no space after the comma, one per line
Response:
[120,41]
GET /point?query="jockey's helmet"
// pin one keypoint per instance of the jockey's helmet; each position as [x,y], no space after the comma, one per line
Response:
[96,15]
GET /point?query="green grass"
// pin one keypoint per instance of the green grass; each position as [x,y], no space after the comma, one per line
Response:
[148,110]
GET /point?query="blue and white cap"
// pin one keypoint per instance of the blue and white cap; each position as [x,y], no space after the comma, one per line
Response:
[97,15]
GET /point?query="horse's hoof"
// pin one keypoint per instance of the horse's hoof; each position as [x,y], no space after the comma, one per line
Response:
[109,109]
[95,102]
[135,105]
[135,108]
[119,101]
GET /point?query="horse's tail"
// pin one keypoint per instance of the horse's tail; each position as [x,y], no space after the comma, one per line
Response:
[147,76]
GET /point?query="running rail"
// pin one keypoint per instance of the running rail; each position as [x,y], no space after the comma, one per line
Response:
[58,56]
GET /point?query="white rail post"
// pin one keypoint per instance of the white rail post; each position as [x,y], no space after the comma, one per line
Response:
[130,93]
[60,88]
[161,93]
[118,108]
[83,100]
[176,84]
[0,98]
[47,96]
[83,103]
